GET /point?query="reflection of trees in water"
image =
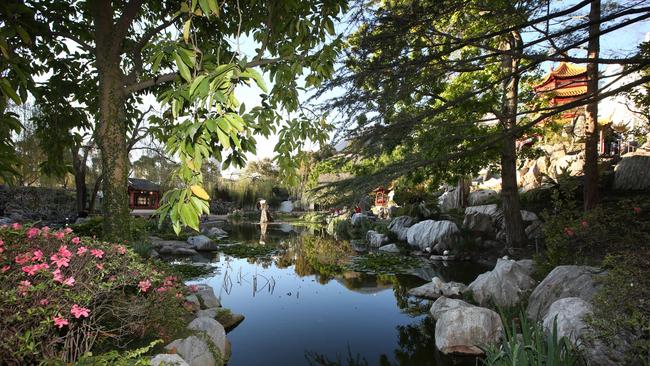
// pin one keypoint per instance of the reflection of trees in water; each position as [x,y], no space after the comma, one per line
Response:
[416,346]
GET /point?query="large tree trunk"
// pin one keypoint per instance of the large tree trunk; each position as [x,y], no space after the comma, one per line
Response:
[591,118]
[514,225]
[112,126]
[114,154]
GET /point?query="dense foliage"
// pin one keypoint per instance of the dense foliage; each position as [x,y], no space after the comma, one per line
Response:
[63,296]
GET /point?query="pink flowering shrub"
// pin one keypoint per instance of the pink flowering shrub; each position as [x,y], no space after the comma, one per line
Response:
[62,296]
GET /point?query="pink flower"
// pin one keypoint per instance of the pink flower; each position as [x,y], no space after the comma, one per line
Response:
[144,285]
[161,289]
[57,276]
[169,281]
[45,229]
[44,302]
[82,250]
[31,270]
[76,240]
[5,269]
[32,232]
[637,210]
[67,230]
[584,223]
[179,295]
[69,281]
[16,226]
[79,312]
[59,235]
[23,258]
[24,286]
[38,256]
[59,261]
[98,253]
[100,266]
[2,242]
[121,249]
[60,322]
[193,288]
[568,231]
[64,252]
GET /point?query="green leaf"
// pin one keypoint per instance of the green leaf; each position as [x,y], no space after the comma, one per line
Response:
[214,7]
[186,27]
[195,83]
[156,62]
[182,68]
[223,139]
[259,80]
[9,90]
[189,216]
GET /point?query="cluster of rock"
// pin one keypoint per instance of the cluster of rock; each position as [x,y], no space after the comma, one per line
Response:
[49,205]
[487,222]
[561,300]
[193,245]
[207,345]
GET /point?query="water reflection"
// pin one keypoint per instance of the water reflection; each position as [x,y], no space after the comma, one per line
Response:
[304,305]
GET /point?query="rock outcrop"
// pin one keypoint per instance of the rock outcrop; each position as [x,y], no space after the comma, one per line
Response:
[464,328]
[504,286]
[400,225]
[375,239]
[563,281]
[435,235]
[437,288]
[633,173]
[202,243]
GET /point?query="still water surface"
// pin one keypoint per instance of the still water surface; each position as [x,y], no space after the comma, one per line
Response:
[303,306]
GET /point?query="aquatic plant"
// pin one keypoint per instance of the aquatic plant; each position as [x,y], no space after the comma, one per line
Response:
[384,263]
[526,343]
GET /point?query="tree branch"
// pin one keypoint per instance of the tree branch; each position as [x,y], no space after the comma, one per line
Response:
[157,80]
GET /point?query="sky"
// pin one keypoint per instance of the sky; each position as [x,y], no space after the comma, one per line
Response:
[617,44]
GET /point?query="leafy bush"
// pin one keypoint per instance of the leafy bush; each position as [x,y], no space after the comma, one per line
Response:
[63,296]
[525,343]
[94,228]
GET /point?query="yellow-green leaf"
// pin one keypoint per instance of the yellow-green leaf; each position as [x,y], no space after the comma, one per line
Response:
[182,68]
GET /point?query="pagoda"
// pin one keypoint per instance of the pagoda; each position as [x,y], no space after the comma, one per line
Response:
[564,84]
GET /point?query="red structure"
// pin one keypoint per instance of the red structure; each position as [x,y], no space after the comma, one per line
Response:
[564,84]
[143,194]
[380,196]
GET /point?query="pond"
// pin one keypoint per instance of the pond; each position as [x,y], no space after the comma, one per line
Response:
[311,300]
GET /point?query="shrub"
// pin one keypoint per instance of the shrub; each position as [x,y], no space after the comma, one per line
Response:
[526,343]
[62,296]
[94,228]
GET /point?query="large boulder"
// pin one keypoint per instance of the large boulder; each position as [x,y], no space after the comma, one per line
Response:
[480,197]
[464,329]
[389,248]
[375,239]
[168,359]
[633,173]
[436,235]
[215,232]
[479,223]
[359,219]
[443,304]
[213,329]
[194,351]
[286,207]
[400,225]
[201,243]
[504,286]
[570,314]
[206,295]
[437,288]
[563,281]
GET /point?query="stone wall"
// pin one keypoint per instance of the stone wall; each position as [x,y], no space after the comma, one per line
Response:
[37,204]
